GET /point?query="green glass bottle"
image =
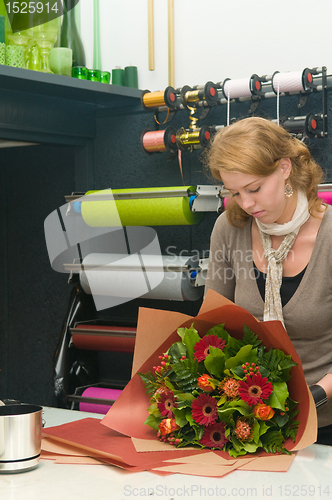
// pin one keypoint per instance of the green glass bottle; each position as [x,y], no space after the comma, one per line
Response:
[70,36]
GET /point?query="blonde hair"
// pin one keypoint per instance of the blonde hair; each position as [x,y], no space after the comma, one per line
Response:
[255,146]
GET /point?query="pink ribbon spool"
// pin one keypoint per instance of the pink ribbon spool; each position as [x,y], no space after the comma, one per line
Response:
[153,141]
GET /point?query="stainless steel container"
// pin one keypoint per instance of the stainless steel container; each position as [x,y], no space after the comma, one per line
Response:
[20,437]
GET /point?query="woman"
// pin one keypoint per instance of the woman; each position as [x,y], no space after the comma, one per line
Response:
[271,249]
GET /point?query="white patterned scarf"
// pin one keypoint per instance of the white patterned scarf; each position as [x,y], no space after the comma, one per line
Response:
[275,258]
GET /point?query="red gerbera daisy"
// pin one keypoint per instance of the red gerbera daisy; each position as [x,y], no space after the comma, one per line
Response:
[214,436]
[201,348]
[204,410]
[166,404]
[254,389]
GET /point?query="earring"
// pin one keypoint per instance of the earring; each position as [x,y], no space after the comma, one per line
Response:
[288,190]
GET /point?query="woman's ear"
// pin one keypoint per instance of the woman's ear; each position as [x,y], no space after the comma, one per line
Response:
[286,167]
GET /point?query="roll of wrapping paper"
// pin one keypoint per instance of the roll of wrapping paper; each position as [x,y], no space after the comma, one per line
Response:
[101,393]
[127,279]
[104,338]
[326,196]
[140,212]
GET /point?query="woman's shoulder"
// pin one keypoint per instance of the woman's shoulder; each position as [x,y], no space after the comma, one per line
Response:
[326,219]
[222,224]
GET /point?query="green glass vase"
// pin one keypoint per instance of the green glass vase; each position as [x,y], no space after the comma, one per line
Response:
[70,36]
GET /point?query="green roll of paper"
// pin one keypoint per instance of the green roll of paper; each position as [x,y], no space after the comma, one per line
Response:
[168,211]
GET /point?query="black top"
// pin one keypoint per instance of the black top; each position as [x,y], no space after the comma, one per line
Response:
[289,285]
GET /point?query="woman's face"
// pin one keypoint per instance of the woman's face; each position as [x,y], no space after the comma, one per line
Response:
[262,197]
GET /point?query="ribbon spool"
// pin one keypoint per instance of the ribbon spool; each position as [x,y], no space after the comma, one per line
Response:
[171,97]
[152,99]
[308,125]
[208,93]
[159,141]
[188,138]
[233,89]
[296,81]
[256,84]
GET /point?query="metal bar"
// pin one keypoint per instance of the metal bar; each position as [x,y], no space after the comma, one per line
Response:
[102,333]
[114,267]
[101,196]
[83,399]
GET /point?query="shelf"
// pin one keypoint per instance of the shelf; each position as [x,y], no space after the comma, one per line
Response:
[46,108]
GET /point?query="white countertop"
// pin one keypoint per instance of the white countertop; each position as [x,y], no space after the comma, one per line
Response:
[309,477]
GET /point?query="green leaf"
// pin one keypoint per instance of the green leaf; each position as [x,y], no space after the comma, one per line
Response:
[184,396]
[251,447]
[153,422]
[220,332]
[250,337]
[177,350]
[214,362]
[180,416]
[278,364]
[185,374]
[190,339]
[239,358]
[232,406]
[277,398]
[263,427]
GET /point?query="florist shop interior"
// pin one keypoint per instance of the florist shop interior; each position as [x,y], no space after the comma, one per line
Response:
[96,175]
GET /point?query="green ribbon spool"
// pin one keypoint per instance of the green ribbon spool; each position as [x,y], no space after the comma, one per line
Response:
[130,77]
[118,76]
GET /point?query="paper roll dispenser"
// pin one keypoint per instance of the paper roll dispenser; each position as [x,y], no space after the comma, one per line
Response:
[146,207]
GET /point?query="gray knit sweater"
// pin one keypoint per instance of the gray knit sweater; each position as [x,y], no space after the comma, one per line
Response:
[307,315]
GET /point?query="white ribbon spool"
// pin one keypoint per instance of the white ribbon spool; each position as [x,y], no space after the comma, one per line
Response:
[287,82]
[237,88]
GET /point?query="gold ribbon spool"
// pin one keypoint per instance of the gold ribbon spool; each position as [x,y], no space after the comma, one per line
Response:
[188,137]
[192,96]
[154,99]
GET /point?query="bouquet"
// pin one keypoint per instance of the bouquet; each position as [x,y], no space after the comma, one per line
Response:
[163,338]
[223,393]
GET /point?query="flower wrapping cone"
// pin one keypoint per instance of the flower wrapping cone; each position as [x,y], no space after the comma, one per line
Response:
[156,332]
